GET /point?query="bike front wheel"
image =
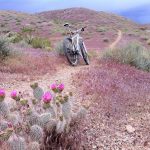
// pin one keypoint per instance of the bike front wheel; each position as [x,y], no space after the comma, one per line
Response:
[84,53]
[70,52]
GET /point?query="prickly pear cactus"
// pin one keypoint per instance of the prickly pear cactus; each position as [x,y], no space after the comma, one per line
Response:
[14,118]
[17,143]
[30,122]
[52,111]
[34,146]
[36,133]
[33,118]
[61,124]
[4,110]
[3,125]
[66,110]
[37,91]
[44,119]
[51,125]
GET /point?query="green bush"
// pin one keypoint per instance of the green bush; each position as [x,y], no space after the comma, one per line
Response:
[38,42]
[101,29]
[59,48]
[4,47]
[16,38]
[134,54]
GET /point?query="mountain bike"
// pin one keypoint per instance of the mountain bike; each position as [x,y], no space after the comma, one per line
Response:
[74,46]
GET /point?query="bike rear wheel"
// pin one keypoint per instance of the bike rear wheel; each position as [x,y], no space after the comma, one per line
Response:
[70,53]
[84,53]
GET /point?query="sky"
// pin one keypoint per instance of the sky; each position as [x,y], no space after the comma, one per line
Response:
[117,6]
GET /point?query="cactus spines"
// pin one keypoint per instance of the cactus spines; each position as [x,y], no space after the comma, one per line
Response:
[51,110]
[3,125]
[66,110]
[34,146]
[44,119]
[36,133]
[33,118]
[51,125]
[17,143]
[61,125]
[37,91]
[4,110]
[14,118]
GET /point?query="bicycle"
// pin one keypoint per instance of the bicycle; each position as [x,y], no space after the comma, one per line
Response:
[74,46]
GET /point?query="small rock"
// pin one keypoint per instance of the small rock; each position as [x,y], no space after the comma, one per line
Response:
[130,129]
[94,146]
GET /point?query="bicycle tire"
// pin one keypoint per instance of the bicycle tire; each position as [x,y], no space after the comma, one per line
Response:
[84,54]
[69,53]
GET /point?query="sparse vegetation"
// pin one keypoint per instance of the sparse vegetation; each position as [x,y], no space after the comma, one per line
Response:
[134,54]
[16,38]
[38,42]
[48,119]
[4,47]
[101,29]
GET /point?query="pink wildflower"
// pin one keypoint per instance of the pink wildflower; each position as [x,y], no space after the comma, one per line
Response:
[47,97]
[61,87]
[2,93]
[13,94]
[54,86]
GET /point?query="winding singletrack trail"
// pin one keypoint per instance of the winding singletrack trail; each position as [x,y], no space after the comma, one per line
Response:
[113,45]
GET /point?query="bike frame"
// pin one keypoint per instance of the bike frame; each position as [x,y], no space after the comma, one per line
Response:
[75,40]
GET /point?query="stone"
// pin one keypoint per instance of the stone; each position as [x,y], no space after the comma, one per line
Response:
[130,129]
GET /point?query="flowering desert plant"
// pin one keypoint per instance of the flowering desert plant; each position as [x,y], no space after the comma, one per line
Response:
[44,122]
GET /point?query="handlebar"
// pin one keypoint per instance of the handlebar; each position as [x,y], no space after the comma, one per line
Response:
[76,31]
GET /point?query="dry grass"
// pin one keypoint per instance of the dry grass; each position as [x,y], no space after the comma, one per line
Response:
[31,65]
[134,54]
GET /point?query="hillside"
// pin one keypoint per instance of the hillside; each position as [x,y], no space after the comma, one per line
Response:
[50,24]
[104,105]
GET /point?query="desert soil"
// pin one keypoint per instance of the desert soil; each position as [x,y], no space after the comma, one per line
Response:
[98,131]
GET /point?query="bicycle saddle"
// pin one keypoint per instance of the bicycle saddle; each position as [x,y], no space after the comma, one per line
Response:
[66,25]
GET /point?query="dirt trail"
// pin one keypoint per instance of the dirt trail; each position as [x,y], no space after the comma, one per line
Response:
[113,45]
[64,75]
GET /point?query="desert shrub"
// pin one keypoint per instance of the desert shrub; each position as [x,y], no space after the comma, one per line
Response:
[24,44]
[18,23]
[38,42]
[4,47]
[59,48]
[16,38]
[45,122]
[101,29]
[27,30]
[133,54]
